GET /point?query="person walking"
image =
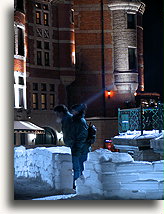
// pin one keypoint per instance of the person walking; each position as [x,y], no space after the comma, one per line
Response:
[81,148]
[64,117]
[75,133]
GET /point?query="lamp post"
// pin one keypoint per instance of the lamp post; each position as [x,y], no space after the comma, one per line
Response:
[102,57]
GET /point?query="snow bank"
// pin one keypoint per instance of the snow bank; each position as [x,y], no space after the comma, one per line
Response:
[137,134]
[157,144]
[52,165]
[117,175]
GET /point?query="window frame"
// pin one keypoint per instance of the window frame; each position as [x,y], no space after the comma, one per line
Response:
[133,24]
[132,60]
[39,59]
[38,19]
[35,104]
[17,87]
[16,41]
[44,103]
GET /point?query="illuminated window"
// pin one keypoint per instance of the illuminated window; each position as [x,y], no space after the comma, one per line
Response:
[132,58]
[45,19]
[131,21]
[43,101]
[35,101]
[47,58]
[35,86]
[20,42]
[39,58]
[38,17]
[72,16]
[46,45]
[43,87]
[39,44]
[19,90]
[52,101]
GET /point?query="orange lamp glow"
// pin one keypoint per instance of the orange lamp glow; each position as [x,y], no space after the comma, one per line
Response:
[108,94]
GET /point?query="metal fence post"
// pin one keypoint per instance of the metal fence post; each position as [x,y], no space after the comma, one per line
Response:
[141,118]
[160,122]
[119,118]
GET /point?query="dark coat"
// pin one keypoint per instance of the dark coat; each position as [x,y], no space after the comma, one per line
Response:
[80,136]
[67,129]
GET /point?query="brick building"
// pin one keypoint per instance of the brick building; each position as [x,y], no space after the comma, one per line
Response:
[109,50]
[71,51]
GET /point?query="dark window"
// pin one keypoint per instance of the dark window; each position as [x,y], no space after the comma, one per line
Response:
[45,19]
[131,21]
[43,86]
[38,5]
[72,15]
[139,20]
[14,45]
[132,58]
[35,86]
[39,58]
[39,44]
[46,45]
[38,17]
[45,7]
[52,87]
[21,81]
[20,5]
[47,58]
[35,101]
[52,101]
[43,101]
[20,42]
[21,103]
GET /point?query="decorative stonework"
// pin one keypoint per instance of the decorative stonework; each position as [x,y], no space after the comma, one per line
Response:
[124,5]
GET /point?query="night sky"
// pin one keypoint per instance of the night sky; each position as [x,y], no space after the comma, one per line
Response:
[153,45]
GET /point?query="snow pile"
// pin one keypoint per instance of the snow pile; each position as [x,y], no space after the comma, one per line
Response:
[137,134]
[118,176]
[157,144]
[51,165]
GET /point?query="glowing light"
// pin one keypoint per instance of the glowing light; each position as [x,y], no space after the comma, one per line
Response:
[73,58]
[59,136]
[135,94]
[109,93]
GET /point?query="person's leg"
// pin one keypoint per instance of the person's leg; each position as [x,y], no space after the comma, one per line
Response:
[82,159]
[76,167]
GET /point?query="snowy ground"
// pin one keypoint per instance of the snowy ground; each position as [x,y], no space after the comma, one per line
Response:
[28,189]
[57,197]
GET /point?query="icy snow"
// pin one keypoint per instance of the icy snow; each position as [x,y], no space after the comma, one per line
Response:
[56,197]
[137,134]
[119,176]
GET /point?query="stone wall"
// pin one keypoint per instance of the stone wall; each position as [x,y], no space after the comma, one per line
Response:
[118,176]
[51,165]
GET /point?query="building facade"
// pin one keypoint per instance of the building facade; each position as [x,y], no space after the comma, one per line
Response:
[50,56]
[109,50]
[71,51]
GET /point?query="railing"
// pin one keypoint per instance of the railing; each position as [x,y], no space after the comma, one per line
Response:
[141,119]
